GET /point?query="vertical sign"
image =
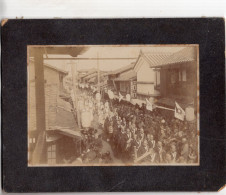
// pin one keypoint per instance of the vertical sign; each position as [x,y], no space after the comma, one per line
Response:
[133,89]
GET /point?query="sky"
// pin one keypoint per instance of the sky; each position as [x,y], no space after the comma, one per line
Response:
[116,51]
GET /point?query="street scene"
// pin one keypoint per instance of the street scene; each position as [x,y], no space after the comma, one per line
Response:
[113,105]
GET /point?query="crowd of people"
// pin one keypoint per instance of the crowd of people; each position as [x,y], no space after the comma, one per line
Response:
[135,134]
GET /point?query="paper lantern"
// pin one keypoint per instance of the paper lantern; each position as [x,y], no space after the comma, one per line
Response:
[190,113]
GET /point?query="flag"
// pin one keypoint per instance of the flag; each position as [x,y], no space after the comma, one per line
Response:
[149,105]
[179,112]
[120,97]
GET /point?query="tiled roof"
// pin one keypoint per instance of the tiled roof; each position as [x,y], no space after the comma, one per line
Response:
[126,76]
[58,111]
[92,80]
[187,54]
[123,69]
[156,58]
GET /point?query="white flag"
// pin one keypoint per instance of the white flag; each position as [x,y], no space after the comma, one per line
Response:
[149,105]
[120,97]
[179,112]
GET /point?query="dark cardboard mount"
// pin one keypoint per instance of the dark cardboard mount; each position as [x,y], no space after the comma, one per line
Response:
[209,33]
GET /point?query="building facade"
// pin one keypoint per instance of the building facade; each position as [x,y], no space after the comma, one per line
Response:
[148,79]
[58,114]
[178,78]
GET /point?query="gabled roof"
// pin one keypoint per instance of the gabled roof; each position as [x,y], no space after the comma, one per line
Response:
[94,73]
[92,80]
[152,58]
[187,54]
[131,74]
[123,69]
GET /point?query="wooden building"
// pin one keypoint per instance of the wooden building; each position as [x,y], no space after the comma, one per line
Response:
[148,80]
[178,78]
[122,80]
[58,118]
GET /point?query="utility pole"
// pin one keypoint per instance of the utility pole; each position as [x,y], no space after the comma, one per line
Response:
[98,73]
[75,91]
[39,154]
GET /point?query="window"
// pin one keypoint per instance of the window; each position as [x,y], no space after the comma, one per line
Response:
[182,75]
[157,78]
[51,154]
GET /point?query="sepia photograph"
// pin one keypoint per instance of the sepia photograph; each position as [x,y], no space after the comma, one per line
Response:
[113,105]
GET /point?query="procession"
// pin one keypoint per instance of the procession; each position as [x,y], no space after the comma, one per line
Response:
[136,135]
[117,109]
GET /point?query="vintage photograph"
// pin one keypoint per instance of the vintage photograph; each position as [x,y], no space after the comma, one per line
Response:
[113,105]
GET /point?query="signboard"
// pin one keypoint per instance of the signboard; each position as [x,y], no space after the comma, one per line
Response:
[133,89]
